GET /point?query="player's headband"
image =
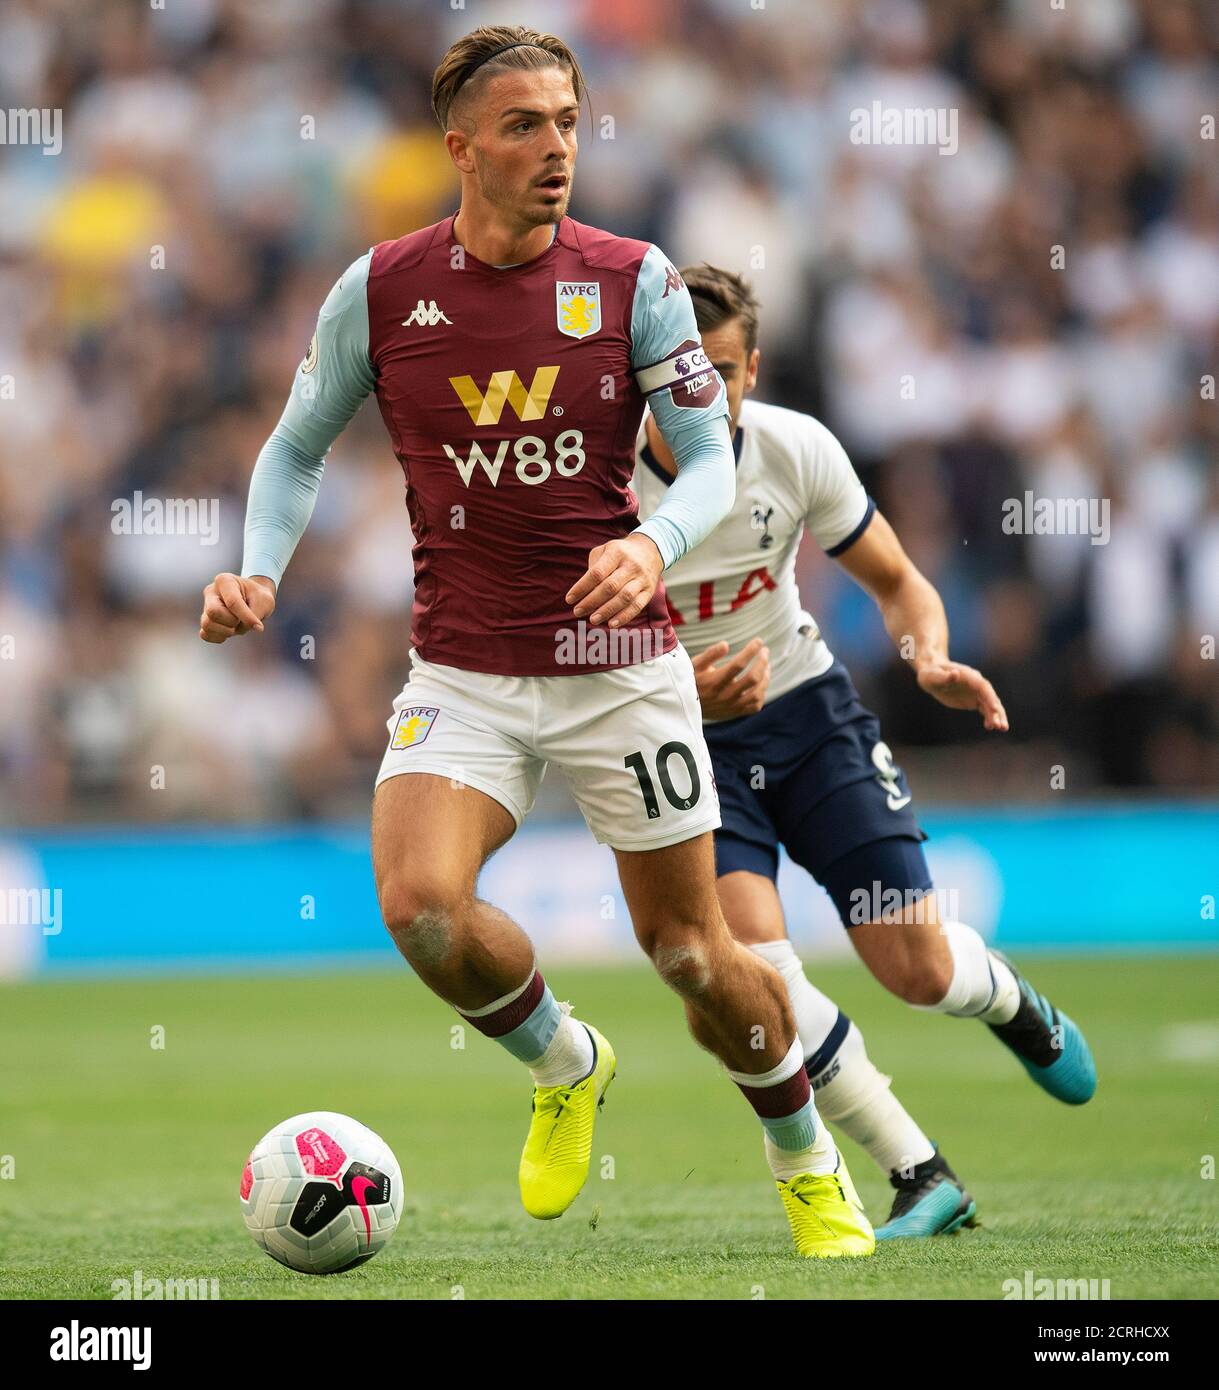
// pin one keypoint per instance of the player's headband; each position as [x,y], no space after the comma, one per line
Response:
[495,52]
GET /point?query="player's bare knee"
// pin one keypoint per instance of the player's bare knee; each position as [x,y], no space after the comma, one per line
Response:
[683,967]
[428,937]
[421,924]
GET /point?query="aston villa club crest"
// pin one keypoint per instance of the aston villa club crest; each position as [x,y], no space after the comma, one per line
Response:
[413,727]
[578,307]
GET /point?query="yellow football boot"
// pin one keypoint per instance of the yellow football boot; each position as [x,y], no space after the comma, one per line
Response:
[826,1215]
[554,1162]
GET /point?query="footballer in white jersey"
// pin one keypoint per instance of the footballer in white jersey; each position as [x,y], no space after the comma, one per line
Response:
[740,583]
[800,763]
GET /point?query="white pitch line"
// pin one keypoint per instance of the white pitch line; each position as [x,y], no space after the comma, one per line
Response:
[1191,1042]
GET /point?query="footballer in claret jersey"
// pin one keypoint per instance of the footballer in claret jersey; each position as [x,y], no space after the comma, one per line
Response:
[512,350]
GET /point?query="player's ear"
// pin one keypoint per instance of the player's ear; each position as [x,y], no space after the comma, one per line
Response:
[751,370]
[457,142]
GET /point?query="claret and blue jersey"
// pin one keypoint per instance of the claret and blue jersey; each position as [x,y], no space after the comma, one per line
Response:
[512,396]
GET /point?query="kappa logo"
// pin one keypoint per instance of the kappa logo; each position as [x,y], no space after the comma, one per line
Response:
[427,315]
[673,281]
[485,408]
[578,307]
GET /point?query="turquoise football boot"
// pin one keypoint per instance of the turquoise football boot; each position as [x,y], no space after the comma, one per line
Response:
[1050,1046]
[931,1201]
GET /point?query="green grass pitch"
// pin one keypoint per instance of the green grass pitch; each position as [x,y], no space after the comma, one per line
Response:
[127,1157]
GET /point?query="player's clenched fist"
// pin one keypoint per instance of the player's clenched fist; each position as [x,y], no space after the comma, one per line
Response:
[619,583]
[232,606]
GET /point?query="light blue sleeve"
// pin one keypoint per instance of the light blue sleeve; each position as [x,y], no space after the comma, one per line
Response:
[330,386]
[690,406]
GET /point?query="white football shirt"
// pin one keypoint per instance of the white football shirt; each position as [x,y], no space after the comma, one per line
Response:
[740,583]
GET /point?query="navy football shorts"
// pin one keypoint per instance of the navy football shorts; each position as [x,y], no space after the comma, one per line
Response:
[810,772]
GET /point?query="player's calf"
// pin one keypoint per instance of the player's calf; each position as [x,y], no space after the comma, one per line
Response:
[923,981]
[429,842]
[737,1008]
[983,984]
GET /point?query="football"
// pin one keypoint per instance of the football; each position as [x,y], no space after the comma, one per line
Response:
[321,1193]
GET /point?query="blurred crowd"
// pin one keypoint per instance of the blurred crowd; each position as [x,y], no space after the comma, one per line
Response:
[1035,312]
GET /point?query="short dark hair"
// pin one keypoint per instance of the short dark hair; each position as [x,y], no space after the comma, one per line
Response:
[719,296]
[475,56]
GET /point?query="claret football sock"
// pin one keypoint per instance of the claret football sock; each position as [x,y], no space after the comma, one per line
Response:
[848,1089]
[795,1142]
[539,1031]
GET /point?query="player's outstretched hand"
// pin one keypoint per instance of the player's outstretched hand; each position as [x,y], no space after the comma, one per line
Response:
[619,583]
[233,606]
[961,687]
[738,686]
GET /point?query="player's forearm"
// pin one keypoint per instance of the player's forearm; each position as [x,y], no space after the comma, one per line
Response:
[329,387]
[703,492]
[914,618]
[283,490]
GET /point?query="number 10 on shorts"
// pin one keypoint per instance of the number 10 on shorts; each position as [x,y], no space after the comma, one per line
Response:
[638,765]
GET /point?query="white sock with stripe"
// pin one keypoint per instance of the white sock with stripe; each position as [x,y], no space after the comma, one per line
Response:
[982,985]
[857,1098]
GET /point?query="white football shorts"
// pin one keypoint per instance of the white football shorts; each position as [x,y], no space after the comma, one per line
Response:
[630,742]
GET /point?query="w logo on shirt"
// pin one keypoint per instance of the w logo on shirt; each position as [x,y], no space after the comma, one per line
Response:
[506,387]
[427,315]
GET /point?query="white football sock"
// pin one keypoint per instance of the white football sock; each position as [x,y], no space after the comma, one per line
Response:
[820,1157]
[857,1099]
[982,985]
[815,1014]
[1007,993]
[569,1057]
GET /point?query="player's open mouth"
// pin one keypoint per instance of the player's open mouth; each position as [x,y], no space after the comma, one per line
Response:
[555,183]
